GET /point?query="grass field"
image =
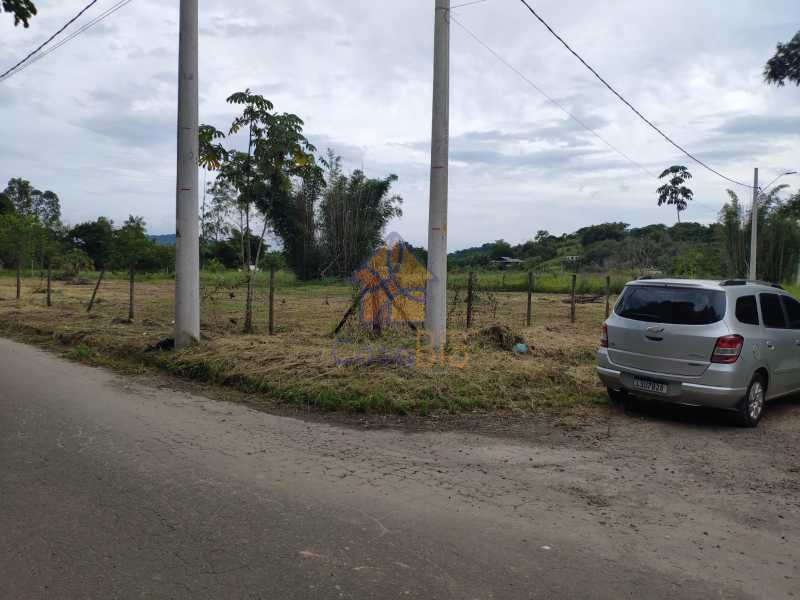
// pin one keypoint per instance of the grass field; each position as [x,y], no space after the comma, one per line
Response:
[303,364]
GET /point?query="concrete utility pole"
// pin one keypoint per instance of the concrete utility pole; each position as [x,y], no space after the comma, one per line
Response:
[187,231]
[754,228]
[436,294]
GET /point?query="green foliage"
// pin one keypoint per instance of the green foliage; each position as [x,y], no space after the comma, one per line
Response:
[23,11]
[28,201]
[96,239]
[354,212]
[778,251]
[675,192]
[130,247]
[6,206]
[785,64]
[604,231]
[72,262]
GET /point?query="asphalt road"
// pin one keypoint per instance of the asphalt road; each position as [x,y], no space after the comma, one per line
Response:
[112,488]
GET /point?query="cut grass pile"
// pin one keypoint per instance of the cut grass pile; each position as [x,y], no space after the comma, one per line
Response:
[304,365]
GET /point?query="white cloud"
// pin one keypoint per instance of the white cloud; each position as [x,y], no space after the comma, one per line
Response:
[95,121]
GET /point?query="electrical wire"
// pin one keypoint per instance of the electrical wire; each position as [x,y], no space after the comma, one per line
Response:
[51,38]
[550,98]
[120,4]
[628,104]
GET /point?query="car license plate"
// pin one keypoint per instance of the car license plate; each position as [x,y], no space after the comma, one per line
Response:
[648,385]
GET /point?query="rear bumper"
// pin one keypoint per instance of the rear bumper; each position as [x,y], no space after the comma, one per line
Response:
[679,391]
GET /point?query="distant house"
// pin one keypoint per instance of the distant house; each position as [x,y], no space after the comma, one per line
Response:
[506,262]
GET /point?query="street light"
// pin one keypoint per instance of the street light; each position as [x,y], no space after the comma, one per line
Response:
[764,189]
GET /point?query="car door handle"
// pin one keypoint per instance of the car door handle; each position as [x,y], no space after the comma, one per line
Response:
[770,345]
[797,342]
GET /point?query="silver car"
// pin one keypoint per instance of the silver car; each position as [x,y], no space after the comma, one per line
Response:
[732,344]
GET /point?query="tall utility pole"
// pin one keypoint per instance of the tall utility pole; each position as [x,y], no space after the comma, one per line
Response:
[187,230]
[754,229]
[436,294]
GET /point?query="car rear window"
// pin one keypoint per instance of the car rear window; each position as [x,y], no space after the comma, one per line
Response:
[673,305]
[746,310]
[772,312]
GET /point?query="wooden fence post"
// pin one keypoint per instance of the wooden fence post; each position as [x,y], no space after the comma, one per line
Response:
[608,295]
[470,285]
[49,281]
[131,286]
[572,302]
[529,314]
[271,315]
[96,287]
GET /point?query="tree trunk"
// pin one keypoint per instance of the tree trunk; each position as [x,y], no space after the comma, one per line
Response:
[679,214]
[49,283]
[130,293]
[248,302]
[96,287]
[19,278]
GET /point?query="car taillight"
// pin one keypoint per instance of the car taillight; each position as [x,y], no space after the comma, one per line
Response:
[604,337]
[727,349]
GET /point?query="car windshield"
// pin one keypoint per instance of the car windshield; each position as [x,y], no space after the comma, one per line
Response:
[673,305]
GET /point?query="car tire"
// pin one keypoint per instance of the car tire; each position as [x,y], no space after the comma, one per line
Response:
[751,407]
[618,397]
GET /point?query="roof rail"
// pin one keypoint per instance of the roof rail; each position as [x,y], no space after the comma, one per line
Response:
[750,281]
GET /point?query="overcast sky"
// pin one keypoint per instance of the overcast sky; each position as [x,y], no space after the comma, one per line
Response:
[95,121]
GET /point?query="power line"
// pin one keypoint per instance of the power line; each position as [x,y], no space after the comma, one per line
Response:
[550,98]
[628,104]
[51,38]
[120,4]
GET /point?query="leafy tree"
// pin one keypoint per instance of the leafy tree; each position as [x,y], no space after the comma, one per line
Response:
[6,206]
[674,192]
[500,248]
[785,64]
[131,248]
[778,240]
[27,201]
[96,239]
[72,262]
[23,10]
[260,178]
[18,237]
[354,213]
[604,231]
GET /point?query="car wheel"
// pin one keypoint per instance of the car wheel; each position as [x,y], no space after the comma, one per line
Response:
[617,396]
[752,406]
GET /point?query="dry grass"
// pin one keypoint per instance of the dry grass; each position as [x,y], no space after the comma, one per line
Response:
[299,363]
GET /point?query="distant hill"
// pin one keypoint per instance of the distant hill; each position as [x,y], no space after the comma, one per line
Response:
[168,239]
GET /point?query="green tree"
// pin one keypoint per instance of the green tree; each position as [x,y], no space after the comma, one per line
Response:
[261,177]
[23,10]
[6,206]
[785,64]
[130,249]
[96,239]
[674,192]
[354,212]
[18,237]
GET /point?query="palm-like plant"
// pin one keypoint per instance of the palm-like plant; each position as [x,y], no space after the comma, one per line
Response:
[675,192]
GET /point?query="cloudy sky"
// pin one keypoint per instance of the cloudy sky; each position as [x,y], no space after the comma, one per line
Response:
[95,121]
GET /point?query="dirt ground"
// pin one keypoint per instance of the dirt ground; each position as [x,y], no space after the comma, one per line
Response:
[652,502]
